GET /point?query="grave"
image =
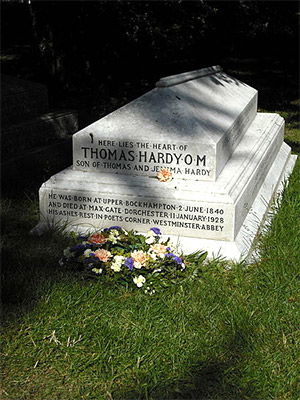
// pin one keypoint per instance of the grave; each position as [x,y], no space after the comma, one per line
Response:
[31,131]
[227,162]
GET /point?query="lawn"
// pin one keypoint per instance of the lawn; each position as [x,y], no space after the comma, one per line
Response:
[228,333]
[231,333]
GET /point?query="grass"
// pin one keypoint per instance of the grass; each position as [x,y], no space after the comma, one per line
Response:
[229,334]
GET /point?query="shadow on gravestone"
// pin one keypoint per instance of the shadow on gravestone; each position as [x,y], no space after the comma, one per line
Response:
[227,161]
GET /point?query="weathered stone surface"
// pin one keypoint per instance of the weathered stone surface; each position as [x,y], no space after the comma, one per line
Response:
[242,246]
[38,162]
[187,76]
[227,163]
[17,139]
[34,141]
[191,128]
[207,210]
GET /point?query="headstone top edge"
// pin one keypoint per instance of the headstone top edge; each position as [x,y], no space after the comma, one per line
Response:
[187,76]
[11,85]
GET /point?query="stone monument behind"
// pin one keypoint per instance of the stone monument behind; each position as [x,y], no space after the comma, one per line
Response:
[226,161]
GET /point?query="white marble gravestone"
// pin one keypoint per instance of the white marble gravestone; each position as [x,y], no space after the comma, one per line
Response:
[227,162]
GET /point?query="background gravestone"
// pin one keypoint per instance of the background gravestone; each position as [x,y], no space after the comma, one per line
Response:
[31,134]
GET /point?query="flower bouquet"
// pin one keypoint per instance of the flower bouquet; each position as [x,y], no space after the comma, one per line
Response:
[147,261]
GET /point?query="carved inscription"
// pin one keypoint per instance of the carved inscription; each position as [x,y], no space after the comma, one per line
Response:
[174,217]
[145,158]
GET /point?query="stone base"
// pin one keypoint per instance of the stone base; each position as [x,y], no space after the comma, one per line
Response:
[221,217]
[241,248]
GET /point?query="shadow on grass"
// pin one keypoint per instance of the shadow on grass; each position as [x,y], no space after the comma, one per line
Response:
[222,378]
[294,145]
[209,381]
[29,263]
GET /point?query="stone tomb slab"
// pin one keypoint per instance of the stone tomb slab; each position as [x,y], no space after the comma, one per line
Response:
[242,246]
[192,127]
[197,210]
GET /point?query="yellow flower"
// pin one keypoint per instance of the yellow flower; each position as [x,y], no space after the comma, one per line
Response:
[97,270]
[164,175]
[139,281]
[87,252]
[103,255]
[140,258]
[159,249]
[117,263]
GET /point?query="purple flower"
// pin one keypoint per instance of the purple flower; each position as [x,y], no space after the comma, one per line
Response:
[78,247]
[112,227]
[175,258]
[178,260]
[82,237]
[156,231]
[129,263]
[88,261]
[170,255]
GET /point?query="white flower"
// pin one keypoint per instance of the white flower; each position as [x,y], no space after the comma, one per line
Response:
[150,237]
[139,281]
[114,235]
[68,253]
[149,291]
[157,270]
[61,262]
[117,263]
[87,252]
[119,259]
[97,270]
[137,265]
[116,267]
[150,240]
[150,233]
[182,266]
[152,255]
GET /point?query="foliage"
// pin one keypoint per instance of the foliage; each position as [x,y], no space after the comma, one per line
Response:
[224,331]
[148,261]
[103,42]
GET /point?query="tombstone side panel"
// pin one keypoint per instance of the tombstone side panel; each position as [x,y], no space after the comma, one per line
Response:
[263,162]
[229,141]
